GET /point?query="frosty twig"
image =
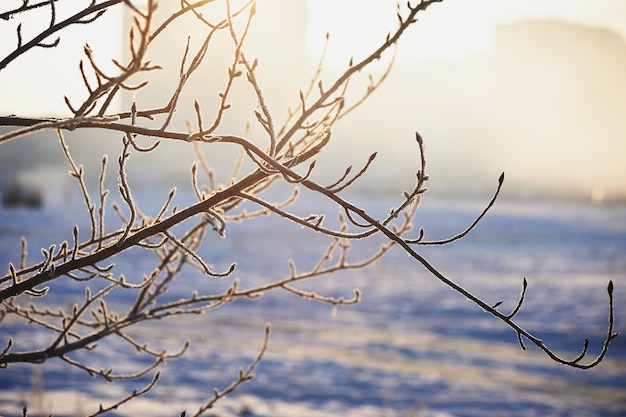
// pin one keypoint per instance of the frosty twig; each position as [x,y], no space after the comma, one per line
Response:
[176,235]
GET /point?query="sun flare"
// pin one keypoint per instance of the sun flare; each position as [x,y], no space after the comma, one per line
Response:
[448,31]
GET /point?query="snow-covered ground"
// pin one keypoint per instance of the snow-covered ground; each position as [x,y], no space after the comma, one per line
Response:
[411,347]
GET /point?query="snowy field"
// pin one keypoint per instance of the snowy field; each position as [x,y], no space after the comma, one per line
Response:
[411,347]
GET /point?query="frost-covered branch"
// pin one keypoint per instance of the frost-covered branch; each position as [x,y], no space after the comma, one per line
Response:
[280,152]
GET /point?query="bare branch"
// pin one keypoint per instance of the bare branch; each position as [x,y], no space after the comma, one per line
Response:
[270,152]
[133,395]
[94,9]
[244,376]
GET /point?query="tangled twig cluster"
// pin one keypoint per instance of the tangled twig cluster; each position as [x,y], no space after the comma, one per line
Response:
[285,148]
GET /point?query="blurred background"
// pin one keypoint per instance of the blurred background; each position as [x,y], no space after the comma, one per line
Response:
[536,89]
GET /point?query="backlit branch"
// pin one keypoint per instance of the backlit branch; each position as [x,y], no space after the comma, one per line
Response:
[85,16]
[277,152]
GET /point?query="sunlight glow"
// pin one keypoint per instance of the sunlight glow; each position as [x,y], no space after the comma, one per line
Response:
[47,74]
[597,195]
[519,118]
[449,31]
[444,32]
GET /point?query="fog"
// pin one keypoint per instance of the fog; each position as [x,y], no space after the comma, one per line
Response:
[544,101]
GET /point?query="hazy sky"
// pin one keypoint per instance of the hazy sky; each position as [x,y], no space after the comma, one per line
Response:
[539,158]
[36,83]
[461,27]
